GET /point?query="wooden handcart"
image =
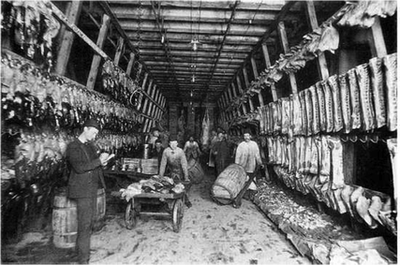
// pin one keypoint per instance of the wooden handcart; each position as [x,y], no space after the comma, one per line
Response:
[170,205]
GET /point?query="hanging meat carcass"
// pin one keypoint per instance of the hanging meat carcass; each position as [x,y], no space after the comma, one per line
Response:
[297,119]
[367,108]
[390,67]
[328,106]
[315,110]
[357,16]
[382,8]
[329,40]
[321,105]
[355,100]
[337,106]
[285,115]
[205,133]
[303,111]
[345,103]
[378,95]
[314,157]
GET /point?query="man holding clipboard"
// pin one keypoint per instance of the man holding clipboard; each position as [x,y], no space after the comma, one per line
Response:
[86,176]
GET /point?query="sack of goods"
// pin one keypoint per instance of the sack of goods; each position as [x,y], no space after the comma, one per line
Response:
[228,184]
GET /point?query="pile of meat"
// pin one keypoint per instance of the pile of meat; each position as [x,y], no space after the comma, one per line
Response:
[155,184]
[315,235]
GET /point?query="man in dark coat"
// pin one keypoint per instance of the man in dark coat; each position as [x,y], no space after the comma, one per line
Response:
[221,150]
[86,175]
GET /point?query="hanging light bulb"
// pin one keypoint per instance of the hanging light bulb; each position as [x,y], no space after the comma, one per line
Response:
[193,79]
[194,43]
[162,38]
[191,94]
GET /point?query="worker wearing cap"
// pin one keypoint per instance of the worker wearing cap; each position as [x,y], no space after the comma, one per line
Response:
[175,159]
[154,136]
[86,175]
[157,151]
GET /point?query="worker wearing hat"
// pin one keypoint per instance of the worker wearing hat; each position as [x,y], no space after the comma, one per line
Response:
[174,157]
[86,176]
[174,160]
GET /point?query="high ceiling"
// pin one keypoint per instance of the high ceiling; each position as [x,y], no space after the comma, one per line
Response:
[193,50]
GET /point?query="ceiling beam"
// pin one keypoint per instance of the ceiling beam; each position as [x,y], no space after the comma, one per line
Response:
[222,43]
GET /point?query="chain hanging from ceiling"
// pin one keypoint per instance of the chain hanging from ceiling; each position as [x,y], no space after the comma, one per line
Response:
[138,31]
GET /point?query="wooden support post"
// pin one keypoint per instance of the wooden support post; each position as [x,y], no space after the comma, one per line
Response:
[118,52]
[255,72]
[312,18]
[130,64]
[94,69]
[285,45]
[268,64]
[241,92]
[376,40]
[74,11]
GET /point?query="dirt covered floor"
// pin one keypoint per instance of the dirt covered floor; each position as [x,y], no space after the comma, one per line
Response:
[211,234]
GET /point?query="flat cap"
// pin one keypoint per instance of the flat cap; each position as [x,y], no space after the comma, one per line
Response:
[92,123]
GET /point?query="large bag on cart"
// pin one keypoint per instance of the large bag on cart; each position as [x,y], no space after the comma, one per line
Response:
[228,184]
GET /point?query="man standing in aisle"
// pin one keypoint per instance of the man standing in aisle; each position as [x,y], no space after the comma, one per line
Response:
[248,156]
[86,175]
[174,159]
[221,151]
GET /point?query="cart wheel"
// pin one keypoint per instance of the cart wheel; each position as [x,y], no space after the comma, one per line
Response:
[177,215]
[130,216]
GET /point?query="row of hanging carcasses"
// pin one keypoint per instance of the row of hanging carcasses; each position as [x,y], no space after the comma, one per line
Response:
[364,99]
[314,165]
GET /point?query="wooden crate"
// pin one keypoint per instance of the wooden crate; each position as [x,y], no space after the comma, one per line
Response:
[149,166]
[131,163]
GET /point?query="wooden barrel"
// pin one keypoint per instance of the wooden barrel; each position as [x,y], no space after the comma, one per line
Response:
[64,224]
[196,173]
[228,184]
[64,219]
